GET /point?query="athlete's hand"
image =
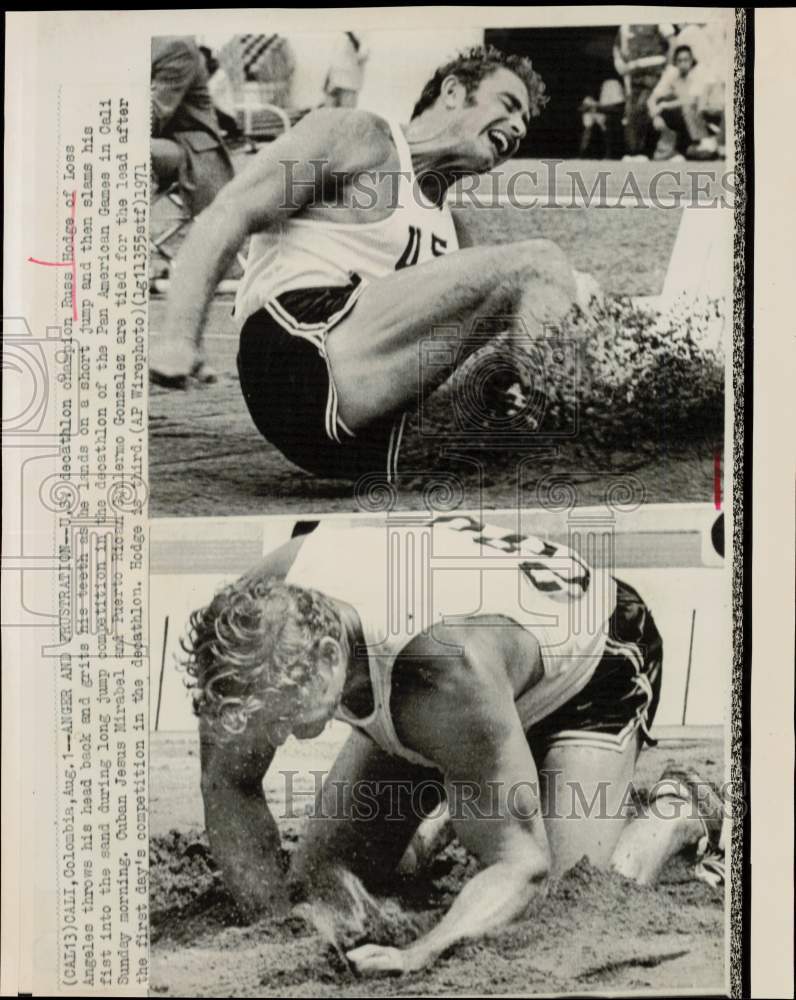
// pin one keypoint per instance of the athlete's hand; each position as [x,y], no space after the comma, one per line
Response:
[377,959]
[171,361]
[174,362]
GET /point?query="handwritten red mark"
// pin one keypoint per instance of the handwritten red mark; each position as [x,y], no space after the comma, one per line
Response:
[72,263]
[717,479]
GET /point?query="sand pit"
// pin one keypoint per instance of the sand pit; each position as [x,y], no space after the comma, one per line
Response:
[592,932]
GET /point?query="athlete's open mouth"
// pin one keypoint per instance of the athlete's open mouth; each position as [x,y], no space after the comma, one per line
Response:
[500,141]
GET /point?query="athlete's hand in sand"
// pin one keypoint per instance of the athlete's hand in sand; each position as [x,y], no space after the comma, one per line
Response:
[378,959]
[173,362]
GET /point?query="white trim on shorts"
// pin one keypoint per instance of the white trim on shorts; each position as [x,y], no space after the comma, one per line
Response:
[608,741]
[316,334]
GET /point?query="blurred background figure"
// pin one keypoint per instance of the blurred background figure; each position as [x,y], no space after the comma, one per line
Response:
[709,44]
[224,109]
[612,105]
[592,141]
[640,57]
[680,109]
[187,144]
[346,71]
[602,123]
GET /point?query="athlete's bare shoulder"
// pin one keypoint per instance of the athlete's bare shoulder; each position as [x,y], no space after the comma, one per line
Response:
[354,139]
[457,678]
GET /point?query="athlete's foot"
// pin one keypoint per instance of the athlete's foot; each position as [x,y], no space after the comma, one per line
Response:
[432,836]
[683,813]
[706,808]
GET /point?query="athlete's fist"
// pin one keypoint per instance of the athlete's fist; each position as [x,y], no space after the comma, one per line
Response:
[380,960]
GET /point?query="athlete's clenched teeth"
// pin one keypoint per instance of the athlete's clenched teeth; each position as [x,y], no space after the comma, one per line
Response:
[500,141]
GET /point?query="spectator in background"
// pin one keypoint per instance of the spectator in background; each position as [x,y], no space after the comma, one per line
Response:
[224,114]
[709,44]
[640,56]
[592,140]
[612,106]
[346,72]
[677,107]
[186,142]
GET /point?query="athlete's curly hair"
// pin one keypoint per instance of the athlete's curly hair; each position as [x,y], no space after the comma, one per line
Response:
[471,66]
[255,639]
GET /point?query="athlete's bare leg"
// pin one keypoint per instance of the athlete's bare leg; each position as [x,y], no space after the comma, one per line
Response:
[375,352]
[365,814]
[589,811]
[585,800]
[583,791]
[586,794]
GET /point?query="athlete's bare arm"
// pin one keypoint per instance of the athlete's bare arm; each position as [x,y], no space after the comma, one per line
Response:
[491,782]
[345,141]
[243,835]
[244,838]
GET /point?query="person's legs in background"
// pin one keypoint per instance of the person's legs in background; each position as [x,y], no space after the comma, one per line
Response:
[667,140]
[612,105]
[675,122]
[640,137]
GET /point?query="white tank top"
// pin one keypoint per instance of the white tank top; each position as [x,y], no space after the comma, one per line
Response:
[403,579]
[309,253]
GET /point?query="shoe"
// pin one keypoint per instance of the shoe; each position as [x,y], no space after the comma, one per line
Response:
[685,784]
[705,149]
[711,868]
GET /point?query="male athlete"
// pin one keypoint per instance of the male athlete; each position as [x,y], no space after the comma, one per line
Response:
[499,674]
[351,265]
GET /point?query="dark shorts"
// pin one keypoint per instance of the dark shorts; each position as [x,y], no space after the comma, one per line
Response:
[623,693]
[290,391]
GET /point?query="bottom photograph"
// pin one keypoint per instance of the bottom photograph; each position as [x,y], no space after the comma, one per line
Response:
[416,754]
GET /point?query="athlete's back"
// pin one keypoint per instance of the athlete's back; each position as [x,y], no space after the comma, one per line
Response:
[404,579]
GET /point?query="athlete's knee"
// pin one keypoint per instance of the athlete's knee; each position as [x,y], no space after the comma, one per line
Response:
[544,260]
[531,266]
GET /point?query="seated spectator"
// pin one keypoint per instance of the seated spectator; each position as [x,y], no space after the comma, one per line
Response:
[186,144]
[710,106]
[677,107]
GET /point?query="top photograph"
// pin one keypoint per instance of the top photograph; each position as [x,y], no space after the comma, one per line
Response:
[460,269]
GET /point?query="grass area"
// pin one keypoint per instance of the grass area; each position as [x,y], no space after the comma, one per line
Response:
[627,250]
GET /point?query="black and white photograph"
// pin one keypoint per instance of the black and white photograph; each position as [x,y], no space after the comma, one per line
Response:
[358,284]
[398,508]
[444,756]
[441,618]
